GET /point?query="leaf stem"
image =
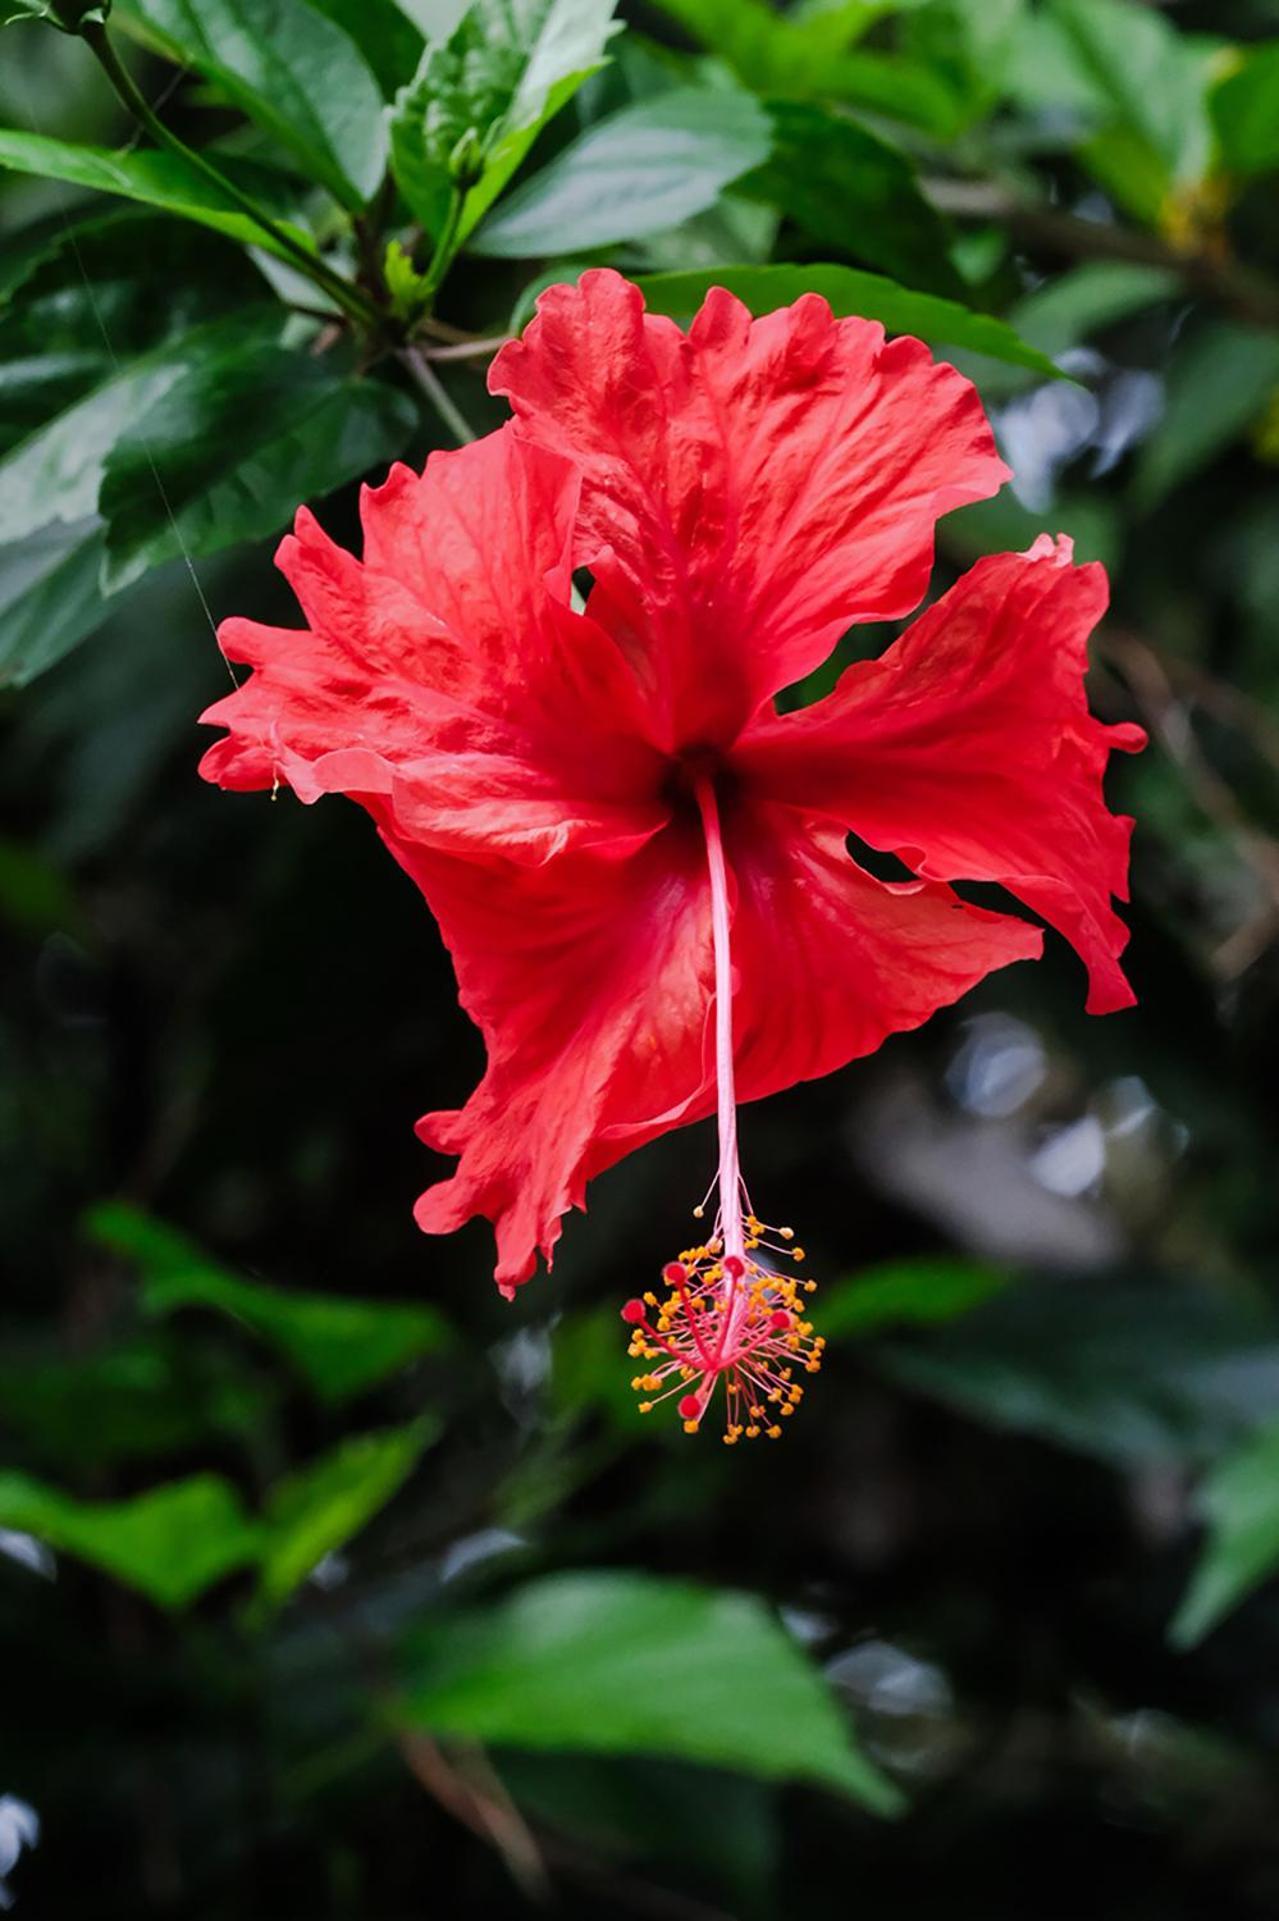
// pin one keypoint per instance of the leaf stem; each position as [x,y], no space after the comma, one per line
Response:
[444,249]
[428,382]
[349,298]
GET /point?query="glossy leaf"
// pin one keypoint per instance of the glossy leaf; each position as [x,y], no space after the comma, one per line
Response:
[388,38]
[497,79]
[1245,113]
[1167,1372]
[170,1543]
[625,1664]
[847,188]
[1240,1502]
[1086,300]
[342,1346]
[320,1508]
[943,323]
[639,172]
[237,442]
[290,69]
[162,180]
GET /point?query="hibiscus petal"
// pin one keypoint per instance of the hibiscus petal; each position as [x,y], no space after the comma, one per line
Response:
[446,673]
[750,489]
[831,961]
[592,985]
[969,751]
[590,981]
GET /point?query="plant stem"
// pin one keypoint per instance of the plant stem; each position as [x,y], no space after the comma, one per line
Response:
[429,383]
[443,251]
[349,298]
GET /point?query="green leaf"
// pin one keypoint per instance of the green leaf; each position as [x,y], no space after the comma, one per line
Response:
[938,321]
[124,1402]
[934,1287]
[236,442]
[290,69]
[70,16]
[1150,81]
[320,1508]
[637,172]
[1245,113]
[388,39]
[775,55]
[50,596]
[846,188]
[969,43]
[501,75]
[170,1543]
[161,180]
[1085,300]
[1220,378]
[1240,1501]
[341,1346]
[613,1663]
[1130,1373]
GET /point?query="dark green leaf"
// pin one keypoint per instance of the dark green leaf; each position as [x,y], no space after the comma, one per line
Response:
[50,596]
[289,68]
[170,1543]
[1085,300]
[340,1345]
[499,77]
[162,180]
[1240,1500]
[242,437]
[969,44]
[1129,1373]
[773,54]
[1219,380]
[389,40]
[934,1287]
[940,322]
[321,1507]
[638,172]
[1245,113]
[625,1664]
[120,1403]
[850,190]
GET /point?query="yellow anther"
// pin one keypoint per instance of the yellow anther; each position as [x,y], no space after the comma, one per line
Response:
[774,1434]
[752,1432]
[797,1254]
[646,1407]
[690,1427]
[787,1233]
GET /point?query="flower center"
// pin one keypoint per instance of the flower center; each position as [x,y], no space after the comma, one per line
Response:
[730,1313]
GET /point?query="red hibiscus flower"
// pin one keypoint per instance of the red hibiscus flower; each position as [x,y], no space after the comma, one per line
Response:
[639,865]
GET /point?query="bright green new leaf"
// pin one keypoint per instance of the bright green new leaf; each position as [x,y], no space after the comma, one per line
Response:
[490,85]
[290,69]
[1245,113]
[155,179]
[170,1543]
[237,441]
[1220,378]
[340,1345]
[847,188]
[321,1507]
[69,16]
[638,172]
[943,323]
[1240,1501]
[614,1663]
[934,1287]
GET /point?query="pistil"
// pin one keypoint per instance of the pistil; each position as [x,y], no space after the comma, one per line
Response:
[730,1313]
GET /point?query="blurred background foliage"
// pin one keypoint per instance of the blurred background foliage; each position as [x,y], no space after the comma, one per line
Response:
[333,1586]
